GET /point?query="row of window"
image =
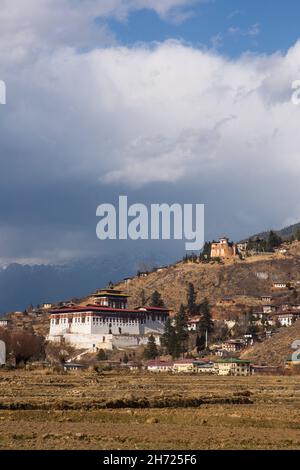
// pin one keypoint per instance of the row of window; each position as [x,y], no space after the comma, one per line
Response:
[100,320]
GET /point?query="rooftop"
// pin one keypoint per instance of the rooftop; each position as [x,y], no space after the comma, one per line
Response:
[231,360]
[95,309]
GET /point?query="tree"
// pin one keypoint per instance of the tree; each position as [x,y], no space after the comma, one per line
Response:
[181,330]
[169,339]
[23,346]
[297,235]
[206,321]
[102,356]
[125,359]
[205,254]
[151,351]
[142,298]
[191,299]
[273,240]
[200,343]
[156,300]
[251,323]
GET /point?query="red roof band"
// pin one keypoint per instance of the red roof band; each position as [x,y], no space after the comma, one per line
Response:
[89,308]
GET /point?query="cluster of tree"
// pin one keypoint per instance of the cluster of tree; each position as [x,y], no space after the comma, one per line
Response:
[156,300]
[202,308]
[203,257]
[22,346]
[175,336]
[250,324]
[294,237]
[273,240]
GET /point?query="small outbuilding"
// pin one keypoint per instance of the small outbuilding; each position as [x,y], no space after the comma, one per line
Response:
[2,353]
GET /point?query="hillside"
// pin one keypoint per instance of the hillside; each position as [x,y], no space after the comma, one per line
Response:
[237,278]
[285,233]
[275,350]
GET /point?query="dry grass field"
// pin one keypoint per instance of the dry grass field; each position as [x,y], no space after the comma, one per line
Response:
[85,410]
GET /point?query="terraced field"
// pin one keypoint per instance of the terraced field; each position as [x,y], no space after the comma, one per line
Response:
[40,410]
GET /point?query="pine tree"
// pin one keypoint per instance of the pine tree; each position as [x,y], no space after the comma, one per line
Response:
[273,241]
[191,299]
[169,339]
[143,298]
[200,343]
[151,351]
[206,322]
[156,300]
[181,329]
[125,359]
[297,235]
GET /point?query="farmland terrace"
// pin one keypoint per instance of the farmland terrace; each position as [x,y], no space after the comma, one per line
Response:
[86,410]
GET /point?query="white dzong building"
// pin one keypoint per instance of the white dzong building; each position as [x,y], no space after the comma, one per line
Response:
[107,323]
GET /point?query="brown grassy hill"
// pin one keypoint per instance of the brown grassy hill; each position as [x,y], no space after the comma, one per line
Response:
[275,350]
[33,324]
[237,278]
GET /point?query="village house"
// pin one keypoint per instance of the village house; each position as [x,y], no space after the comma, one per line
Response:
[202,367]
[226,301]
[267,299]
[295,307]
[233,367]
[107,323]
[4,322]
[269,308]
[142,274]
[286,318]
[72,366]
[233,345]
[242,248]
[265,370]
[159,366]
[223,249]
[2,353]
[46,306]
[280,285]
[221,352]
[184,365]
[193,324]
[281,250]
[230,323]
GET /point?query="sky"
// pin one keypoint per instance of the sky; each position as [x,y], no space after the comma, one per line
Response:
[183,101]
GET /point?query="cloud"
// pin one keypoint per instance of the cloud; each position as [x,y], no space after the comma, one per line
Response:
[81,125]
[41,25]
[254,30]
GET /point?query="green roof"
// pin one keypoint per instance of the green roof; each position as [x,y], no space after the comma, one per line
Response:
[232,360]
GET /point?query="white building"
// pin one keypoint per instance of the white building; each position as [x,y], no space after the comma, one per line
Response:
[287,318]
[192,325]
[107,324]
[2,353]
[232,366]
[280,285]
[4,323]
[159,366]
[184,365]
